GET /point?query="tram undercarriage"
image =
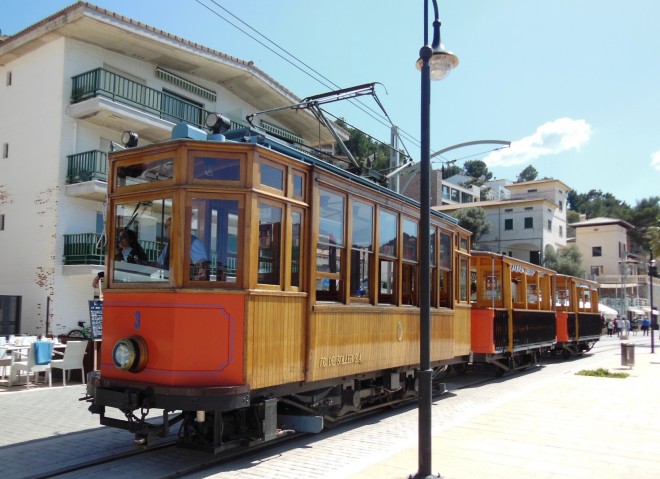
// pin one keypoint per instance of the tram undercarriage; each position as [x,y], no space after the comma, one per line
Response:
[223,422]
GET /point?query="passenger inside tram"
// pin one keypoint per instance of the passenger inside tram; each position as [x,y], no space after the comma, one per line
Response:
[199,263]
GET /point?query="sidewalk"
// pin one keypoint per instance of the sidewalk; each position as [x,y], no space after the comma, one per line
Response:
[572,427]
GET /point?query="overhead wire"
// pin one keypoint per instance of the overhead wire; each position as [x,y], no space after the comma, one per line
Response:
[372,113]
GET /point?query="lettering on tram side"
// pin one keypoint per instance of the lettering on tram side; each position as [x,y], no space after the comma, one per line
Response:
[521,269]
[340,359]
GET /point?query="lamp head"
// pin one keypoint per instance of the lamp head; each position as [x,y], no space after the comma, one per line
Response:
[129,139]
[217,123]
[442,62]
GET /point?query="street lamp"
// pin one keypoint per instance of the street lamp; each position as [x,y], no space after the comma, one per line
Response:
[654,319]
[435,63]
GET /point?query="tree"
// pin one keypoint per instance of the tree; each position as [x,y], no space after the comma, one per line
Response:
[528,174]
[567,260]
[366,150]
[473,219]
[477,169]
[450,170]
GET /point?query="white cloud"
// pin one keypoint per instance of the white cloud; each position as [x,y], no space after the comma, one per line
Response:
[655,160]
[550,138]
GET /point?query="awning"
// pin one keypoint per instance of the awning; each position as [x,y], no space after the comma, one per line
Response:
[618,285]
[637,311]
[607,311]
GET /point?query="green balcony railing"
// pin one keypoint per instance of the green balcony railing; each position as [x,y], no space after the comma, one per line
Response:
[86,248]
[103,83]
[87,166]
[82,249]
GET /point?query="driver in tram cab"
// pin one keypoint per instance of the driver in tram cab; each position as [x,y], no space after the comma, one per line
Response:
[199,263]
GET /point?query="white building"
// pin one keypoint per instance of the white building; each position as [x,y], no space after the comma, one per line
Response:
[69,86]
[524,225]
[622,276]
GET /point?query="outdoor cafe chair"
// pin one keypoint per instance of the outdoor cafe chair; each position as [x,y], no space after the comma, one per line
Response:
[5,360]
[73,359]
[37,361]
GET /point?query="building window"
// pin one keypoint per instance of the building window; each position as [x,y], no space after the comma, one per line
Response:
[508,224]
[455,195]
[529,208]
[561,231]
[561,205]
[5,150]
[2,222]
[532,190]
[508,210]
[529,222]
[549,225]
[596,270]
[8,78]
[597,251]
[445,192]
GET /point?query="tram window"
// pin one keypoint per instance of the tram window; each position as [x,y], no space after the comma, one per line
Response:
[296,242]
[410,240]
[270,240]
[432,248]
[298,185]
[464,243]
[463,284]
[386,281]
[146,172]
[330,246]
[220,169]
[145,221]
[410,285]
[361,249]
[388,234]
[445,251]
[214,224]
[271,176]
[445,289]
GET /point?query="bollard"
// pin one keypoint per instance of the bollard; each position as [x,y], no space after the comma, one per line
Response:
[627,354]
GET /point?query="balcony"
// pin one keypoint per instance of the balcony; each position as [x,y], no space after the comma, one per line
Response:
[82,249]
[88,249]
[110,100]
[87,175]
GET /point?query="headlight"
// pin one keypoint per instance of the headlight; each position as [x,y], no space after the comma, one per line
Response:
[130,354]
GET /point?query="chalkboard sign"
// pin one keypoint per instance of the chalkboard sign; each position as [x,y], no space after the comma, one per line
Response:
[96,318]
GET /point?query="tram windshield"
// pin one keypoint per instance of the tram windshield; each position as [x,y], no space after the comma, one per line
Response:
[143,232]
[140,237]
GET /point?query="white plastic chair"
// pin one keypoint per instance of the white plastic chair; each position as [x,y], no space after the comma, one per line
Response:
[5,360]
[73,359]
[30,366]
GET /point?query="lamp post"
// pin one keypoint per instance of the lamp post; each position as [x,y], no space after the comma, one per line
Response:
[654,319]
[435,63]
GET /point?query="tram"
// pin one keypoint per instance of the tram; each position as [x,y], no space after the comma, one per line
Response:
[280,292]
[579,324]
[513,312]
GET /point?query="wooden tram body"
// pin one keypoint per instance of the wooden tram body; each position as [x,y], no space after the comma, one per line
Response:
[579,324]
[513,315]
[304,309]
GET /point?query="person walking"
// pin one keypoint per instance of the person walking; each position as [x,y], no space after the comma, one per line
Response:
[610,327]
[645,326]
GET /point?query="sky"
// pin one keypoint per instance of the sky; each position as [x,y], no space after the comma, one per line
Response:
[573,84]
